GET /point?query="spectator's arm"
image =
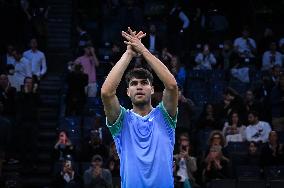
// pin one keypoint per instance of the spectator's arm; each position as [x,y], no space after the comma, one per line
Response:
[212,59]
[87,179]
[199,58]
[184,19]
[265,61]
[43,66]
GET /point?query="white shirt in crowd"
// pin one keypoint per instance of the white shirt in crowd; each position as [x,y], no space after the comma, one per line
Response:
[22,70]
[242,46]
[205,62]
[270,59]
[258,132]
[10,60]
[240,136]
[38,62]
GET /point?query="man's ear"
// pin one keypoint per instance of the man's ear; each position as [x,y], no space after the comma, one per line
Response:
[127,92]
[152,90]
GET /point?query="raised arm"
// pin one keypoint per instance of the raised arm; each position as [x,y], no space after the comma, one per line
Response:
[170,96]
[108,90]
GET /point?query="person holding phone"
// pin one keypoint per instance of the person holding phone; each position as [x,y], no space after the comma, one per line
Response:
[186,162]
[63,147]
[27,120]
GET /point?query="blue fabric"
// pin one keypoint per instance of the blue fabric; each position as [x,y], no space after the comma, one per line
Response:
[145,147]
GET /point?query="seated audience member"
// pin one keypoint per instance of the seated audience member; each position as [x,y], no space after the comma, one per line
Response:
[232,102]
[27,120]
[205,60]
[257,131]
[95,145]
[186,112]
[216,138]
[8,58]
[271,57]
[37,59]
[185,160]
[67,177]
[208,118]
[273,152]
[178,70]
[234,130]
[277,105]
[253,155]
[216,165]
[96,175]
[83,39]
[5,136]
[63,147]
[77,80]
[7,97]
[244,45]
[252,104]
[113,164]
[227,54]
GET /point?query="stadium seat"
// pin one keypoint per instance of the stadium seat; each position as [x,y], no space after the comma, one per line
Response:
[276,183]
[245,171]
[251,183]
[225,183]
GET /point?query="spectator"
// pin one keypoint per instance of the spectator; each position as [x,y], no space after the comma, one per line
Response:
[97,176]
[7,97]
[5,136]
[10,69]
[178,26]
[8,58]
[37,13]
[234,130]
[186,112]
[177,178]
[207,118]
[37,59]
[153,41]
[178,70]
[257,131]
[89,62]
[22,68]
[271,57]
[216,165]
[185,160]
[63,147]
[77,80]
[244,45]
[253,154]
[266,40]
[166,57]
[68,177]
[277,105]
[205,59]
[113,165]
[252,104]
[95,146]
[28,121]
[232,102]
[272,154]
[227,55]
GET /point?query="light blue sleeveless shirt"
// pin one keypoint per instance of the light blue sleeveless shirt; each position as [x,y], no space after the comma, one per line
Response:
[145,148]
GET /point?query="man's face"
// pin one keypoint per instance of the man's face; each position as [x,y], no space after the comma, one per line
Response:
[33,43]
[140,91]
[245,34]
[152,29]
[252,119]
[249,96]
[273,46]
[97,163]
[3,81]
[10,49]
[16,55]
[29,84]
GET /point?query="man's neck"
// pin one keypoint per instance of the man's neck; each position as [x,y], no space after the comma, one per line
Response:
[34,49]
[142,110]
